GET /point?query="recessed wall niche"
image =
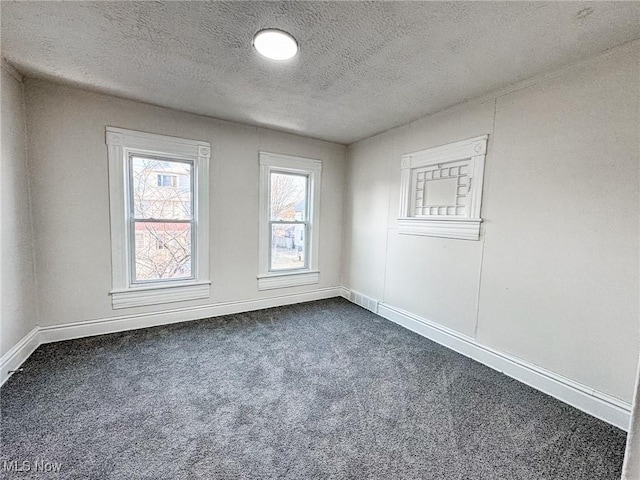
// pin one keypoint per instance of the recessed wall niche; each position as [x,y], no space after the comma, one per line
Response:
[441,190]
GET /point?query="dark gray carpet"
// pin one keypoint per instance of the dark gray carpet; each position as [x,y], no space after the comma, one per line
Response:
[322,390]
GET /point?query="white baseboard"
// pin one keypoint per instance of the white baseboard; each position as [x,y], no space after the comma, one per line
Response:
[345,293]
[18,354]
[56,333]
[599,404]
[593,402]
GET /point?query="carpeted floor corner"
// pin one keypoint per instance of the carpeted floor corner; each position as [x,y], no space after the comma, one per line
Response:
[321,390]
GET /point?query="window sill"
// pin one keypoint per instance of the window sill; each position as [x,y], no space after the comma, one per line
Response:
[152,295]
[287,279]
[459,228]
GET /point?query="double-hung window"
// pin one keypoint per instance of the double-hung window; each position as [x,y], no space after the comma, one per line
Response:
[289,214]
[158,190]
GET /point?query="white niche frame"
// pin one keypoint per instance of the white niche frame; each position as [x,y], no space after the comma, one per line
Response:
[461,164]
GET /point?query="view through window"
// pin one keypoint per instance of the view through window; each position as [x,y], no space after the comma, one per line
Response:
[162,225]
[288,220]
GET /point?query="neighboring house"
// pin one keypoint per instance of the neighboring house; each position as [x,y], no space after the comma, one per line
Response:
[162,191]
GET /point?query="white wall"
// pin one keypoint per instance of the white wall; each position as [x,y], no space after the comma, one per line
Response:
[18,312]
[68,161]
[554,279]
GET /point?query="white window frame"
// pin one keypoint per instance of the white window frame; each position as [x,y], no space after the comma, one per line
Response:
[312,169]
[459,219]
[122,144]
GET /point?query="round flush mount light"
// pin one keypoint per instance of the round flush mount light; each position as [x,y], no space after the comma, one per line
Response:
[275,44]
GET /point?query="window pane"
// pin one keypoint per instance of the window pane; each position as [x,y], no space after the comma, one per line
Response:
[161,188]
[287,246]
[163,251]
[288,196]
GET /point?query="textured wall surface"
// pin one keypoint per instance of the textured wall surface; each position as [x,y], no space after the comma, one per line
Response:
[364,67]
[18,307]
[554,279]
[68,158]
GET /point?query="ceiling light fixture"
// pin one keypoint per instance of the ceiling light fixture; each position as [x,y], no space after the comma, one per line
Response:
[275,44]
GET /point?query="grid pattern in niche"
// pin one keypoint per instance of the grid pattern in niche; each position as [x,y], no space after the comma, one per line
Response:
[441,190]
[436,186]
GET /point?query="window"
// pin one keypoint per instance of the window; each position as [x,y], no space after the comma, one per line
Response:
[288,221]
[158,190]
[140,240]
[289,212]
[167,180]
[159,238]
[161,212]
[441,190]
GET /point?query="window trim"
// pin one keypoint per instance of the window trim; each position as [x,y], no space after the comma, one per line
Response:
[280,163]
[123,143]
[464,227]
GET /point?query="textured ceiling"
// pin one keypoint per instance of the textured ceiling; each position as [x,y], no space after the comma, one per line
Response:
[364,67]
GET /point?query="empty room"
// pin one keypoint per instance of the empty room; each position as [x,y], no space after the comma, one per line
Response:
[320,240]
